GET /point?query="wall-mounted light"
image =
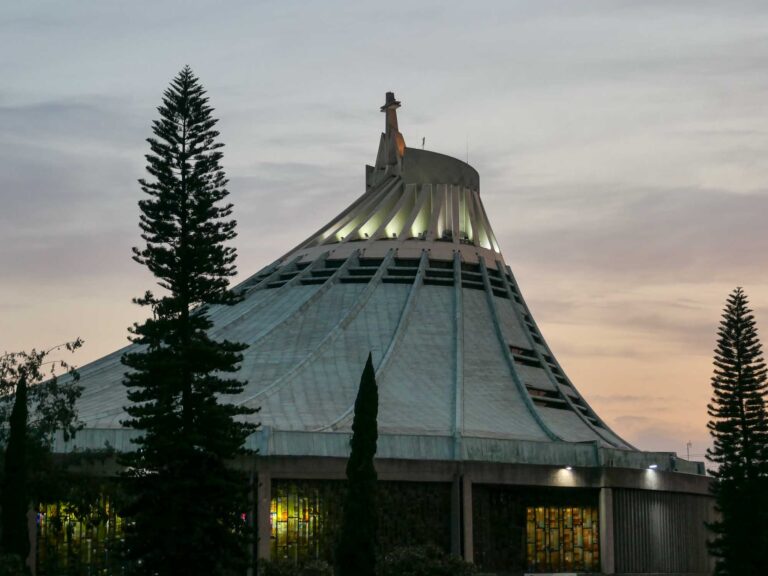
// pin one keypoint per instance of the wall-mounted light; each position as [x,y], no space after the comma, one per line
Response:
[653,466]
[568,468]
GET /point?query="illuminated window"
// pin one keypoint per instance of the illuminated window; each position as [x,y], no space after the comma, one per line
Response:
[306,516]
[303,516]
[79,539]
[562,539]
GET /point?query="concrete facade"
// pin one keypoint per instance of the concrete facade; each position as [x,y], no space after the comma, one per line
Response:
[659,539]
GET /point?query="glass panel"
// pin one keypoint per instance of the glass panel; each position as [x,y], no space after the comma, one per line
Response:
[305,517]
[85,538]
[562,539]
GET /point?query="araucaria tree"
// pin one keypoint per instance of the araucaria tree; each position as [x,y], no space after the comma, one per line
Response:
[739,429]
[356,551]
[34,404]
[187,498]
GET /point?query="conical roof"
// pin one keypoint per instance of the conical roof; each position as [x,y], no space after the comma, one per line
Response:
[411,272]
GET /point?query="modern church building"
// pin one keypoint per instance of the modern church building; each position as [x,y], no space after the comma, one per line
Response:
[486,448]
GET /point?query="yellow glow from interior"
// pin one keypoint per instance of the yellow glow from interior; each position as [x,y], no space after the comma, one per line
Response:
[68,533]
[562,538]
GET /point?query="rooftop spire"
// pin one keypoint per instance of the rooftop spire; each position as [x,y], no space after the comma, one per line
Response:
[391,131]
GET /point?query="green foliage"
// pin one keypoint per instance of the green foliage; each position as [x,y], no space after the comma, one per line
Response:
[34,404]
[187,500]
[50,397]
[12,565]
[283,568]
[80,532]
[423,561]
[413,514]
[316,568]
[739,429]
[356,552]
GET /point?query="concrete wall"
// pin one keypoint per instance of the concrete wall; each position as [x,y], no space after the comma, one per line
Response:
[652,522]
[661,532]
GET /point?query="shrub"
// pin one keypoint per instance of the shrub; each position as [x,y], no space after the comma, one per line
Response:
[316,568]
[286,568]
[423,561]
[12,565]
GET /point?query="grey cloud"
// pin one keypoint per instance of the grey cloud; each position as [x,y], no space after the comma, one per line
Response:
[657,434]
[107,121]
[652,321]
[597,351]
[48,190]
[68,258]
[297,189]
[678,235]
[632,399]
[67,190]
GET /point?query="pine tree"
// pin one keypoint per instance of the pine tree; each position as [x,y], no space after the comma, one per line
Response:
[187,498]
[739,429]
[356,552]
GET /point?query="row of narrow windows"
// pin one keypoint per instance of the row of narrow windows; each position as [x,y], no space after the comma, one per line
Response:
[557,538]
[515,529]
[550,398]
[402,270]
[440,273]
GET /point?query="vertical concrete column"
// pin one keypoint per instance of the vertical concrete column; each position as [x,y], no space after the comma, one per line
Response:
[466,505]
[252,509]
[456,515]
[607,558]
[32,529]
[263,523]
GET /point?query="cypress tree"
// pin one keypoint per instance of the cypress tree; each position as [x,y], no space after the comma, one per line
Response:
[356,552]
[187,499]
[15,494]
[34,405]
[739,430]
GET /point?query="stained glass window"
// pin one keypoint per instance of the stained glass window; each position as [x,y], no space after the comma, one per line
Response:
[76,541]
[306,515]
[562,539]
[302,515]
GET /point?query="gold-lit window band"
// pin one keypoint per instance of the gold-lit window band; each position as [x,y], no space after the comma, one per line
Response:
[73,540]
[298,520]
[306,515]
[562,539]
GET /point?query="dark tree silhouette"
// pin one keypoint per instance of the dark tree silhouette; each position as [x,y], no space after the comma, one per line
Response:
[356,552]
[187,498]
[15,492]
[34,405]
[739,429]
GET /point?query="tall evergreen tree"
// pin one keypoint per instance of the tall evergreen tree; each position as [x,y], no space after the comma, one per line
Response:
[187,497]
[739,429]
[356,552]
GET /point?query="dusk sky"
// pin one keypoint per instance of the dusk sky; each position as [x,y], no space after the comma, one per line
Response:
[622,148]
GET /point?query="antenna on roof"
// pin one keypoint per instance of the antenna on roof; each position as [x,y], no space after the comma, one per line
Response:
[467,148]
[423,140]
